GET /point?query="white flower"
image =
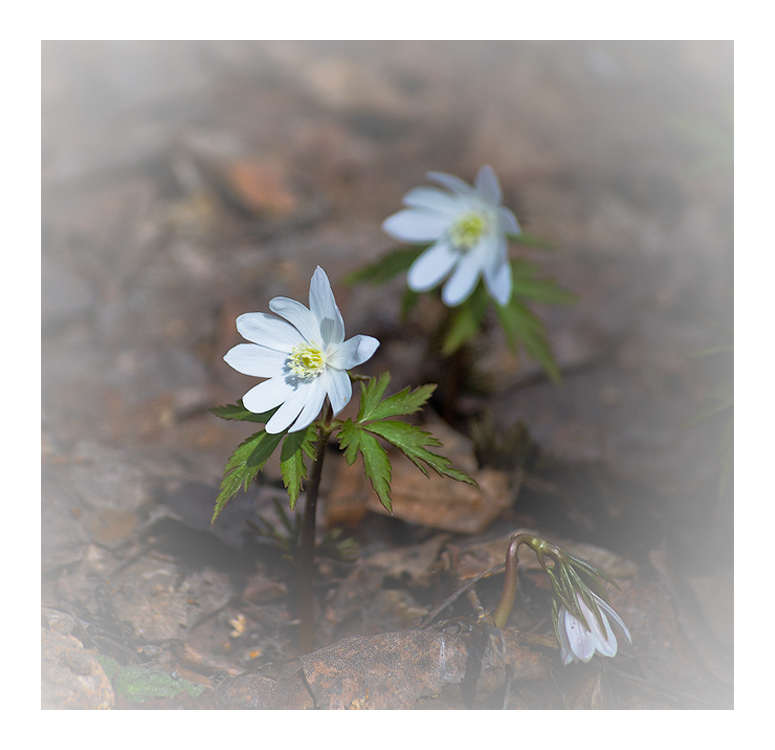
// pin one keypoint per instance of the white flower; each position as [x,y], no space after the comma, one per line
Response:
[579,643]
[468,228]
[305,358]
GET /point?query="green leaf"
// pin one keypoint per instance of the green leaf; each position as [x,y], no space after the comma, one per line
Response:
[713,350]
[294,472]
[408,301]
[243,466]
[542,290]
[353,439]
[404,402]
[412,442]
[371,394]
[387,267]
[722,397]
[726,455]
[239,412]
[465,321]
[530,240]
[524,329]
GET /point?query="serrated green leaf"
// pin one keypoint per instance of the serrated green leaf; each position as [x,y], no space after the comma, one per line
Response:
[239,412]
[402,403]
[353,439]
[387,267]
[292,467]
[243,466]
[413,442]
[524,329]
[465,321]
[371,394]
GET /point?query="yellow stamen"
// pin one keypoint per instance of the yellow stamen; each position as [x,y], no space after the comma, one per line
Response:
[306,360]
[467,230]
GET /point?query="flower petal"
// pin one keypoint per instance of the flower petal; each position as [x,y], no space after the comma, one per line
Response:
[315,399]
[566,654]
[449,181]
[432,266]
[340,389]
[609,610]
[323,307]
[434,200]
[256,360]
[581,640]
[415,225]
[463,279]
[268,330]
[267,395]
[355,351]
[602,637]
[497,273]
[487,186]
[508,221]
[298,316]
[290,408]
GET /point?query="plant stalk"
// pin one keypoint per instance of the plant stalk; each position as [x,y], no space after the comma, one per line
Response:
[509,592]
[307,540]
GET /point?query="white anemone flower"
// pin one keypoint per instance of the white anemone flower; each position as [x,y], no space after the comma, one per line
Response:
[468,227]
[578,642]
[304,357]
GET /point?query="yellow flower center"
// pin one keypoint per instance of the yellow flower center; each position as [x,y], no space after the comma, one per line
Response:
[306,360]
[467,230]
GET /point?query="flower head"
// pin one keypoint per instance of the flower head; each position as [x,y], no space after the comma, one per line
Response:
[579,641]
[468,228]
[304,357]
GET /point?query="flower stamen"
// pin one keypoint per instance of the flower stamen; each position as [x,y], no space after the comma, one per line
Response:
[306,360]
[467,230]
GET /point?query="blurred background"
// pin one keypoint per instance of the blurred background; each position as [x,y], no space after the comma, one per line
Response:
[184,183]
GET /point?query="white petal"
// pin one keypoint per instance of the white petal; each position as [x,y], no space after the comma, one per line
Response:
[566,654]
[268,330]
[497,275]
[449,181]
[415,225]
[299,316]
[603,637]
[355,351]
[581,640]
[463,280]
[431,267]
[612,613]
[290,408]
[508,221]
[433,200]
[340,389]
[323,306]
[487,186]
[256,361]
[315,399]
[267,395]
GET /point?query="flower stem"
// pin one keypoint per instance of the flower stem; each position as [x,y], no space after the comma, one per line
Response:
[307,540]
[509,592]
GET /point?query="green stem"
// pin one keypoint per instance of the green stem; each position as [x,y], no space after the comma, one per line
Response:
[307,540]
